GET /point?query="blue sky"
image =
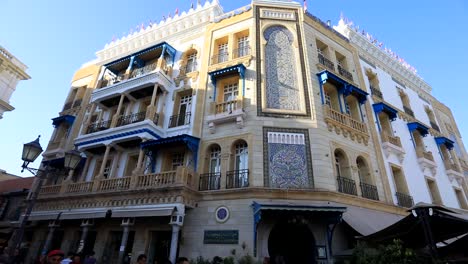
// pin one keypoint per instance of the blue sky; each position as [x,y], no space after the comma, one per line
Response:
[55,37]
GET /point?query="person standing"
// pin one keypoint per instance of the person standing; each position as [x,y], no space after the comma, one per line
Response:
[90,259]
[55,256]
[182,260]
[68,260]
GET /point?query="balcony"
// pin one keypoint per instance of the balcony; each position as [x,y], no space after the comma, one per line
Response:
[343,123]
[98,126]
[408,111]
[392,145]
[369,191]
[453,171]
[326,62]
[138,125]
[241,52]
[345,73]
[190,67]
[404,200]
[130,119]
[180,177]
[210,181]
[237,179]
[229,111]
[346,185]
[179,120]
[376,92]
[140,78]
[219,58]
[434,126]
[426,160]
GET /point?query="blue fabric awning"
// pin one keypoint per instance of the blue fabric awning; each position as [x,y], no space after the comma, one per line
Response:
[343,86]
[191,142]
[65,118]
[443,140]
[239,68]
[423,130]
[383,107]
[170,50]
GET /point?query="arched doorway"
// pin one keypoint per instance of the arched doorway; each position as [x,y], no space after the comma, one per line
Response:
[293,241]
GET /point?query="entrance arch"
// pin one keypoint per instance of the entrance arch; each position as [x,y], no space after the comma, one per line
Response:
[293,241]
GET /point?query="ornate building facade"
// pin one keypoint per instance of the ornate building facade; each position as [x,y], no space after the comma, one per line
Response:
[12,71]
[257,131]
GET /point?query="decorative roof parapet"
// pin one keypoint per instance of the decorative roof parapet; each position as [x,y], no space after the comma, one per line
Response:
[388,58]
[235,12]
[186,21]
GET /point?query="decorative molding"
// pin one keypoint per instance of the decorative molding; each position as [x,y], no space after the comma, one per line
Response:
[277,14]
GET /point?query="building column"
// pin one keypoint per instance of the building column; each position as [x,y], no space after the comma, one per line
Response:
[104,161]
[126,223]
[116,116]
[52,226]
[177,220]
[141,156]
[85,224]
[84,173]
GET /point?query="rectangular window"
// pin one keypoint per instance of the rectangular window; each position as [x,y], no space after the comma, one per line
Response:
[231,91]
[222,52]
[243,46]
[177,160]
[434,192]
[461,198]
[191,63]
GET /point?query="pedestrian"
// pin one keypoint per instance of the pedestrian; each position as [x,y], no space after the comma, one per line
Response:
[68,259]
[266,260]
[76,259]
[182,260]
[90,259]
[55,256]
[141,259]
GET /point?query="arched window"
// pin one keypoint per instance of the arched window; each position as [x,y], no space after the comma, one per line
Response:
[363,170]
[282,91]
[345,182]
[238,177]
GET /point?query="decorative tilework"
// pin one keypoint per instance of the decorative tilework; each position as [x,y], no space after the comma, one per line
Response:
[287,165]
[281,86]
[287,158]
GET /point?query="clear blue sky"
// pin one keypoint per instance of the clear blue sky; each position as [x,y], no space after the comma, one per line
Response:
[55,37]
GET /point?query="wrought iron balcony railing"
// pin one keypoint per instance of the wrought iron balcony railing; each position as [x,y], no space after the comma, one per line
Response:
[143,70]
[210,181]
[326,62]
[237,179]
[179,120]
[345,73]
[376,92]
[241,52]
[132,118]
[346,185]
[218,58]
[98,126]
[369,191]
[404,200]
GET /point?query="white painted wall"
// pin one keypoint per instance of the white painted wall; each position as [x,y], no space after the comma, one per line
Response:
[415,176]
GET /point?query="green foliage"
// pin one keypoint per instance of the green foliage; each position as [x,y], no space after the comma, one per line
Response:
[229,260]
[247,259]
[384,254]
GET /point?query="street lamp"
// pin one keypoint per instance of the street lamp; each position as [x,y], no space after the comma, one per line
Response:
[31,151]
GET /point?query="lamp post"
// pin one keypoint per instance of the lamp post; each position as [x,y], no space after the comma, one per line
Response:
[31,151]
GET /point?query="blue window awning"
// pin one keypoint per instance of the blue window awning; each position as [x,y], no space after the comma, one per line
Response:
[383,107]
[164,45]
[343,86]
[65,118]
[239,68]
[445,141]
[191,142]
[423,130]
